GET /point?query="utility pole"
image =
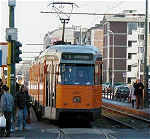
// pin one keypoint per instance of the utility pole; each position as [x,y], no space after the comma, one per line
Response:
[11,66]
[12,75]
[13,50]
[146,100]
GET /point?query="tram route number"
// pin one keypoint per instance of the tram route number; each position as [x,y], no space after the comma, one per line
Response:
[77,92]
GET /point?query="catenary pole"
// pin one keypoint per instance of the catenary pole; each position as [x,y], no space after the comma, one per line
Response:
[12,75]
[145,81]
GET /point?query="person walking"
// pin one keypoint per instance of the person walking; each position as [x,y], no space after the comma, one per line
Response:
[131,94]
[7,103]
[17,87]
[138,93]
[1,91]
[21,102]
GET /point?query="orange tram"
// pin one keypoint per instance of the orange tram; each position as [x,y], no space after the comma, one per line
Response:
[66,81]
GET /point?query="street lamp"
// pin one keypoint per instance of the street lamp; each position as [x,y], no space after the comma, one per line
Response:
[112,75]
[111,32]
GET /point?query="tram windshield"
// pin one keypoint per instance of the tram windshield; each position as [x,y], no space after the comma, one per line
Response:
[76,74]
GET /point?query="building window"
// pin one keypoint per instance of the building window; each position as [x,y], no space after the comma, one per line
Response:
[130,43]
[142,61]
[140,37]
[141,49]
[129,55]
[129,67]
[141,25]
[129,80]
[132,26]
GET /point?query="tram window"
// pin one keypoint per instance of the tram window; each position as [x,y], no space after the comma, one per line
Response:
[47,93]
[76,74]
[98,74]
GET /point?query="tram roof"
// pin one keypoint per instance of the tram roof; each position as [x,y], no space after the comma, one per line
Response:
[57,50]
[72,49]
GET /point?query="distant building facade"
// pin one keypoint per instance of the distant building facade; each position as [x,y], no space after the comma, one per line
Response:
[94,36]
[124,42]
[71,35]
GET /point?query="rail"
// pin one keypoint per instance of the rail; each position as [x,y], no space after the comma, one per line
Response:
[129,120]
[105,134]
[61,133]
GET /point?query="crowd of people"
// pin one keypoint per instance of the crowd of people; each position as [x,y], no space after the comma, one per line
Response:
[20,101]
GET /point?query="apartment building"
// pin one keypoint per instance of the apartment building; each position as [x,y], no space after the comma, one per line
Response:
[123,47]
[94,36]
[72,34]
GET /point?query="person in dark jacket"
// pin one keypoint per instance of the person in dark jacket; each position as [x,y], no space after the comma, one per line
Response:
[138,93]
[7,103]
[22,103]
[1,91]
[17,87]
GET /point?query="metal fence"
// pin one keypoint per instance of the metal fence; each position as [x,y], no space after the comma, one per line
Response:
[119,97]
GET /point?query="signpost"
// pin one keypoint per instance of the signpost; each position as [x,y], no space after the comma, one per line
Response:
[124,76]
[13,50]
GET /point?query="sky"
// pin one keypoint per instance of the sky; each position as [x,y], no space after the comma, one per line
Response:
[32,25]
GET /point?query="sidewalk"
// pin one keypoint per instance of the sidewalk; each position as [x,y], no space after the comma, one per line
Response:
[125,106]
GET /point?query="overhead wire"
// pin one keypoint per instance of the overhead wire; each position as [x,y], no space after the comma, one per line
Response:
[107,11]
[94,12]
[46,29]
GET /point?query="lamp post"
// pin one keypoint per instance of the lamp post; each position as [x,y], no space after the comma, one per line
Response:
[145,81]
[112,75]
[111,32]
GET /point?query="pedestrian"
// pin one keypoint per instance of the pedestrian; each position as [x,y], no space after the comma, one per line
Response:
[139,93]
[1,91]
[7,103]
[131,94]
[17,86]
[21,102]
[28,108]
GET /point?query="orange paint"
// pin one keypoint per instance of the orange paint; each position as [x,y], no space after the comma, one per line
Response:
[91,96]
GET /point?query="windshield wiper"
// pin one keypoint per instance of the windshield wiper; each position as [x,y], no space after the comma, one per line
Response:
[67,69]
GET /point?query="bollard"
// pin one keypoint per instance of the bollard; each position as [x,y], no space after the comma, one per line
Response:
[107,93]
[124,95]
[113,94]
[110,94]
[120,96]
[104,94]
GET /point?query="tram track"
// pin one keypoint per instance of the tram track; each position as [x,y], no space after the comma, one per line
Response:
[126,119]
[61,133]
[69,133]
[106,135]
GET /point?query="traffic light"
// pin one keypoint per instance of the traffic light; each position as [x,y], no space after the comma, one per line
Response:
[16,52]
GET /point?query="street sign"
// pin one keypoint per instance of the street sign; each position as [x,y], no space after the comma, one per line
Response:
[12,3]
[12,32]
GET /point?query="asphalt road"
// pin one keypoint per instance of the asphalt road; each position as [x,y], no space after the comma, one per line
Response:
[45,130]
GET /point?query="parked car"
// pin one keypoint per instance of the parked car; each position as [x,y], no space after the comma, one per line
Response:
[121,91]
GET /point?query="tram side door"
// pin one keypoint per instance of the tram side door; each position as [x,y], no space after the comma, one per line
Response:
[47,95]
[50,110]
[52,92]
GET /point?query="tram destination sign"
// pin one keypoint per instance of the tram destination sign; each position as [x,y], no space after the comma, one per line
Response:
[77,56]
